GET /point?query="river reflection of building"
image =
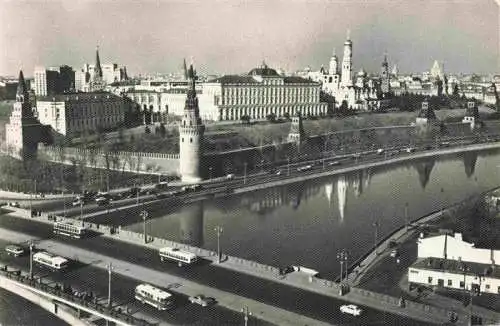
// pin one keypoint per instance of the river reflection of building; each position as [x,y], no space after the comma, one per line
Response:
[470,159]
[293,195]
[191,224]
[424,168]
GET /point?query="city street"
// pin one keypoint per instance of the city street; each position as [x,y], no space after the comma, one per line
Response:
[299,301]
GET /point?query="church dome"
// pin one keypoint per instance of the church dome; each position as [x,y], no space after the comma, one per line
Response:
[361,73]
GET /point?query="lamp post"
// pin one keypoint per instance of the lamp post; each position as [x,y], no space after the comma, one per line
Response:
[406,216]
[246,312]
[245,173]
[31,260]
[210,173]
[144,215]
[219,230]
[376,225]
[110,268]
[342,257]
[288,165]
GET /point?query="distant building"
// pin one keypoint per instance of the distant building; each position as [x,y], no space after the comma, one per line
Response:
[66,79]
[448,261]
[46,81]
[262,92]
[353,92]
[95,77]
[69,114]
[437,71]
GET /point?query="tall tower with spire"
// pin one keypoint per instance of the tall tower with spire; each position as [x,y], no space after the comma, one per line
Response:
[97,83]
[184,70]
[385,76]
[347,62]
[191,133]
[334,64]
[23,131]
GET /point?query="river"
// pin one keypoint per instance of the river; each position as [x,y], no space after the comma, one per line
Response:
[308,223]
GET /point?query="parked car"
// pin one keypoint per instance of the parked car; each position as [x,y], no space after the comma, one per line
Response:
[78,202]
[100,201]
[410,149]
[351,309]
[394,253]
[230,176]
[201,300]
[380,151]
[14,204]
[14,250]
[304,168]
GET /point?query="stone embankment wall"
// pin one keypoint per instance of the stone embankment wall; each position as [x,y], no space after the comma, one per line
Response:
[138,162]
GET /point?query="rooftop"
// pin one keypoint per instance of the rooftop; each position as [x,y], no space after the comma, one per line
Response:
[457,267]
[247,79]
[82,96]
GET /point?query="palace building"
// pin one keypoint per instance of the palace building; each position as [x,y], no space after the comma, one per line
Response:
[263,92]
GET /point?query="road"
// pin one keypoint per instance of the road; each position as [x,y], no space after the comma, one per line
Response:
[306,303]
[123,287]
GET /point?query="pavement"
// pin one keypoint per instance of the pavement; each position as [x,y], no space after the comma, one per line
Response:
[259,310]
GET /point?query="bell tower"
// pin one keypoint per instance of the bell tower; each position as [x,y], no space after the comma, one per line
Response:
[191,133]
[347,62]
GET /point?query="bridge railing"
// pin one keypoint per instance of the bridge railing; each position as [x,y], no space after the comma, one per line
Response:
[65,295]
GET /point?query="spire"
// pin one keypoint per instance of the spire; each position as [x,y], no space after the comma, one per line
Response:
[348,36]
[334,54]
[185,71]
[22,92]
[97,68]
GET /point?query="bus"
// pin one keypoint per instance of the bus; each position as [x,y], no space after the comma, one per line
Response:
[181,257]
[51,261]
[70,229]
[161,300]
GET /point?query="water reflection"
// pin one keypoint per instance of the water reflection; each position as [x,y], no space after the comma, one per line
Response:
[342,195]
[424,169]
[191,225]
[329,192]
[470,159]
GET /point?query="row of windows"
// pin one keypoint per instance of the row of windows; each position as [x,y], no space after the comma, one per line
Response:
[259,91]
[69,228]
[266,99]
[461,283]
[178,257]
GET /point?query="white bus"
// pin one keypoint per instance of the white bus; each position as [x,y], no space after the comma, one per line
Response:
[48,260]
[161,300]
[181,257]
[70,229]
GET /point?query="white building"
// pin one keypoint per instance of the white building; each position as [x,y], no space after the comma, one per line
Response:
[357,92]
[45,81]
[263,92]
[68,114]
[448,261]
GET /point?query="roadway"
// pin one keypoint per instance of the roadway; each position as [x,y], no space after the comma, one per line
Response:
[306,303]
[123,287]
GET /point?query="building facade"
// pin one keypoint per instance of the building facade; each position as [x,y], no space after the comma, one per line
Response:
[261,93]
[191,131]
[70,114]
[46,81]
[353,92]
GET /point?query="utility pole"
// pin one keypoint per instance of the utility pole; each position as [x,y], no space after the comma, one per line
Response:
[246,312]
[110,267]
[406,216]
[288,166]
[245,173]
[376,225]
[31,259]
[219,230]
[144,215]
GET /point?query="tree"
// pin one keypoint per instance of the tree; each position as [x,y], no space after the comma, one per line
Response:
[147,130]
[163,130]
[271,117]
[456,90]
[286,115]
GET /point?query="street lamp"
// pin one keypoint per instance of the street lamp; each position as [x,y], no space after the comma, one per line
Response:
[210,173]
[246,312]
[31,260]
[219,230]
[144,215]
[245,173]
[342,257]
[110,268]
[376,225]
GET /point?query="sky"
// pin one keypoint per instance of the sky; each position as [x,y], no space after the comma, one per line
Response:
[232,37]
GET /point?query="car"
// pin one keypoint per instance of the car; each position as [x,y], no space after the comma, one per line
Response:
[201,300]
[77,202]
[230,176]
[334,163]
[14,250]
[14,204]
[380,151]
[100,201]
[394,253]
[278,172]
[351,309]
[304,168]
[410,149]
